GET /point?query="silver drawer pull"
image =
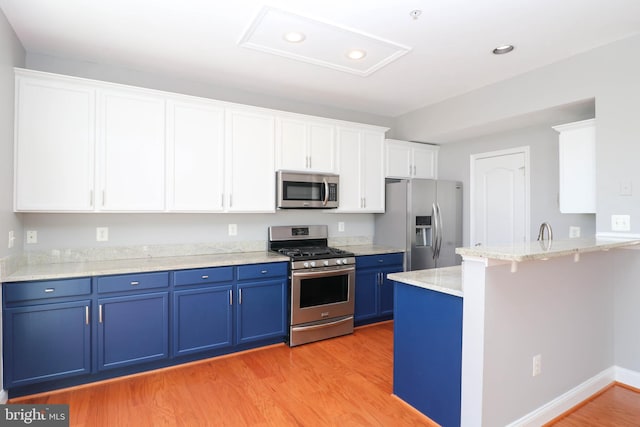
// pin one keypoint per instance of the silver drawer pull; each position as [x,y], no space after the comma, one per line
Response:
[135,283]
[264,271]
[205,277]
[49,290]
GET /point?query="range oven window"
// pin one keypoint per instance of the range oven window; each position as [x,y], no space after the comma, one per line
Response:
[308,191]
[324,290]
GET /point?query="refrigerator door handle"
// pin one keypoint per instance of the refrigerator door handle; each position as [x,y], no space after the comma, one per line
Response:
[439,235]
[434,236]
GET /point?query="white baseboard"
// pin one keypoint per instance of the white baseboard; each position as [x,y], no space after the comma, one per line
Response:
[627,377]
[4,396]
[568,400]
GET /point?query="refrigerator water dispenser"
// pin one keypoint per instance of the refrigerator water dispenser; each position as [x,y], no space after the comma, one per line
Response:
[423,231]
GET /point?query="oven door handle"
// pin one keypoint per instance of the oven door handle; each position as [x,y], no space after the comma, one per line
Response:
[322,325]
[308,274]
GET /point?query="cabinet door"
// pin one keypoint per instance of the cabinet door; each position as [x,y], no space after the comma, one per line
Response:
[424,161]
[350,196]
[398,159]
[250,158]
[366,299]
[386,290]
[321,147]
[260,310]
[195,156]
[372,164]
[132,329]
[292,145]
[54,151]
[131,126]
[202,319]
[46,342]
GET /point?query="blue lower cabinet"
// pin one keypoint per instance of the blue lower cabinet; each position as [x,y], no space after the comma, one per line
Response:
[374,292]
[202,319]
[46,342]
[427,352]
[261,310]
[133,329]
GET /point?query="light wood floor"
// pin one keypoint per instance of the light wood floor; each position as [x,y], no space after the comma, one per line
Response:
[617,406]
[345,381]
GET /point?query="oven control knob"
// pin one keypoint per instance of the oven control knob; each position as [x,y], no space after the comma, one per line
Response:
[326,263]
[313,263]
[338,261]
[345,262]
[305,265]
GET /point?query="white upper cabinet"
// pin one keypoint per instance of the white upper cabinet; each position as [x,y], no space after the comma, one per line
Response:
[131,143]
[360,157]
[195,156]
[305,145]
[54,150]
[577,159]
[250,177]
[406,159]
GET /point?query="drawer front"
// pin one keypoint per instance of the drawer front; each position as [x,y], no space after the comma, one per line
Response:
[202,276]
[379,260]
[261,271]
[24,291]
[132,282]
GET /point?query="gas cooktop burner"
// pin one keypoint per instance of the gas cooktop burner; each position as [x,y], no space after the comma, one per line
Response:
[313,252]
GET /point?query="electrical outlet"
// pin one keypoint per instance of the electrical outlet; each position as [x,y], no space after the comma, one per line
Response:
[574,232]
[340,226]
[620,223]
[102,234]
[537,365]
[32,236]
[233,229]
[12,238]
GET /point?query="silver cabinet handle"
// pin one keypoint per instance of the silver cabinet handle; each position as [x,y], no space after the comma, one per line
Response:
[230,200]
[91,198]
[135,283]
[264,271]
[414,170]
[100,313]
[230,297]
[104,198]
[205,277]
[239,296]
[86,314]
[49,290]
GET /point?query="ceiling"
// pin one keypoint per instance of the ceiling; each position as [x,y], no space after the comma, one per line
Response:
[445,52]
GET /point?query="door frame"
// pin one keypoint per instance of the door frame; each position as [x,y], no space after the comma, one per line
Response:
[527,186]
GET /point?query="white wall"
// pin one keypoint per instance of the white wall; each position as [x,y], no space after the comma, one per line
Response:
[11,55]
[610,74]
[454,163]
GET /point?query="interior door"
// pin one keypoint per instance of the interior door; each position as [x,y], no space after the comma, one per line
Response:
[500,197]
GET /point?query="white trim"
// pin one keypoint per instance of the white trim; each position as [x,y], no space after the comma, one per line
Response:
[627,377]
[568,400]
[4,397]
[527,186]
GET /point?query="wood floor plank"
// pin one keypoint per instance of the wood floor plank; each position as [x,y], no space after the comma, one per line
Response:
[345,381]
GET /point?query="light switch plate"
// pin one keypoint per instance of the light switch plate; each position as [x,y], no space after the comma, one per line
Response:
[102,234]
[233,229]
[574,232]
[32,236]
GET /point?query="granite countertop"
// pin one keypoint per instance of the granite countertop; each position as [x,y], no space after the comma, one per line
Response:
[61,270]
[447,280]
[541,250]
[138,265]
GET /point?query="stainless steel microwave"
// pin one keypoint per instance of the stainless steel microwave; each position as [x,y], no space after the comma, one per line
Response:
[301,190]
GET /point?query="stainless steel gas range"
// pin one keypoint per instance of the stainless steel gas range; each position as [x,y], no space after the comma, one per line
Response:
[322,283]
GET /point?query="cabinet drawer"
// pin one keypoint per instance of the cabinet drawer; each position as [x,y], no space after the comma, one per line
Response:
[261,271]
[202,275]
[379,260]
[132,282]
[14,292]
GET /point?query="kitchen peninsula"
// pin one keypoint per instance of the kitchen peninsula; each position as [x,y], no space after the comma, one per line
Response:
[568,303]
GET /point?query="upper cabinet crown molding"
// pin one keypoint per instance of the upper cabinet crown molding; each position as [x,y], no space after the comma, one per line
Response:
[577,160]
[405,159]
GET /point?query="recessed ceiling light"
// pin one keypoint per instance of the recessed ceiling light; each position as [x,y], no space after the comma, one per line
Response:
[356,54]
[501,50]
[294,37]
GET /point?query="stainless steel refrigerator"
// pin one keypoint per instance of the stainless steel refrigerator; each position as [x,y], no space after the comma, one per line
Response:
[424,218]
